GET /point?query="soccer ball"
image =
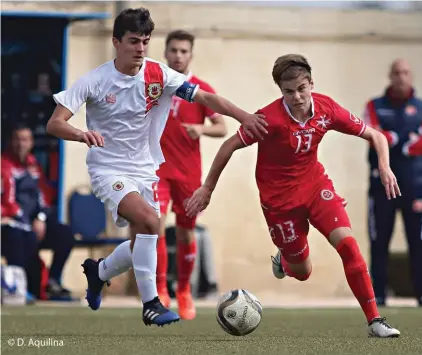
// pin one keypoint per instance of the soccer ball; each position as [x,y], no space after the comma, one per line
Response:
[239,312]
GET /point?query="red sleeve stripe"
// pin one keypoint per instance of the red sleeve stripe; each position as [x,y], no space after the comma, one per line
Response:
[154,84]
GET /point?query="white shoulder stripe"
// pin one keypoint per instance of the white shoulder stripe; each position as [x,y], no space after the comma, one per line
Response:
[241,137]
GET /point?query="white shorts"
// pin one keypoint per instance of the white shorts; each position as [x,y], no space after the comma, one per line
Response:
[112,188]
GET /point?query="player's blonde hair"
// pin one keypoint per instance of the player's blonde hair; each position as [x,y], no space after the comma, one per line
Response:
[289,67]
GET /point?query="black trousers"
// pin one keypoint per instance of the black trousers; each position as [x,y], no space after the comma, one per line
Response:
[381,218]
[21,248]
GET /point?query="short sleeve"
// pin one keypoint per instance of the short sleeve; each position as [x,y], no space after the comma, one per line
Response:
[345,122]
[248,140]
[74,97]
[172,79]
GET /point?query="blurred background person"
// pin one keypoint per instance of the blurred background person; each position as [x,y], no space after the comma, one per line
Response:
[397,114]
[27,224]
[180,175]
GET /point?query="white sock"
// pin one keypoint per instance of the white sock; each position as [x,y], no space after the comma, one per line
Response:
[144,259]
[118,262]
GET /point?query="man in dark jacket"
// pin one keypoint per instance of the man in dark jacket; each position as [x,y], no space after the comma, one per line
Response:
[27,225]
[398,114]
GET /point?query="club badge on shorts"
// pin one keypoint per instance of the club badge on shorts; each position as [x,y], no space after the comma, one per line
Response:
[118,185]
[327,195]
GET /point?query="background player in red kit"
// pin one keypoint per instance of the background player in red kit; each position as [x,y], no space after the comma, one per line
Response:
[294,189]
[180,175]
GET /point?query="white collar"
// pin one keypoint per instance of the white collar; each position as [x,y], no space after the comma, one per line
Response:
[302,124]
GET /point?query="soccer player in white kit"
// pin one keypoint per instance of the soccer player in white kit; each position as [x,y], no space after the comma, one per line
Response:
[127,104]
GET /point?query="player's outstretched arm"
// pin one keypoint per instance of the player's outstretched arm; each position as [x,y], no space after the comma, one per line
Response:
[202,196]
[59,127]
[380,144]
[254,124]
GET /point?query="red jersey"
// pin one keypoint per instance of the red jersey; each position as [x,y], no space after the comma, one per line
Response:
[287,165]
[182,153]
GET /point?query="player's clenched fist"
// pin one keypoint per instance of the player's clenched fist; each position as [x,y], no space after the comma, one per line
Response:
[194,130]
[92,138]
[255,126]
[198,202]
[389,181]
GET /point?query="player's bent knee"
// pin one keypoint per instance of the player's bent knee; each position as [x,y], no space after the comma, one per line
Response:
[185,222]
[349,251]
[184,235]
[151,222]
[301,271]
[303,277]
[146,222]
[339,234]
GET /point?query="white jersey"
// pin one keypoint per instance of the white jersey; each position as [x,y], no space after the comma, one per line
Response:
[130,112]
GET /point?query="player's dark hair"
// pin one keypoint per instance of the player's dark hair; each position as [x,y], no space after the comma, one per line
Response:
[133,20]
[290,67]
[180,35]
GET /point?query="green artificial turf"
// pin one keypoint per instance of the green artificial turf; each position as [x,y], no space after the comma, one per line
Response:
[77,330]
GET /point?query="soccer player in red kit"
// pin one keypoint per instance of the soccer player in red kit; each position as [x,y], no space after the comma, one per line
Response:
[180,175]
[294,188]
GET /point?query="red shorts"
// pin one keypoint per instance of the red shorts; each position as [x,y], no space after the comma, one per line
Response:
[178,192]
[325,210]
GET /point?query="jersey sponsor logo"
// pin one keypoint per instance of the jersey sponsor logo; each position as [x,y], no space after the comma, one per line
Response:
[110,98]
[355,119]
[300,251]
[118,186]
[327,195]
[304,131]
[410,110]
[155,90]
[323,122]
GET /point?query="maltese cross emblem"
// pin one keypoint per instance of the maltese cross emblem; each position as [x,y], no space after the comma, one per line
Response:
[323,122]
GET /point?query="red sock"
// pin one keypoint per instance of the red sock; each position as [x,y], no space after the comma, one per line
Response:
[162,264]
[186,255]
[357,276]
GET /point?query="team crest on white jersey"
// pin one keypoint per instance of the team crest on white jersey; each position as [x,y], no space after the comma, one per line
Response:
[327,195]
[110,98]
[155,90]
[118,186]
[323,122]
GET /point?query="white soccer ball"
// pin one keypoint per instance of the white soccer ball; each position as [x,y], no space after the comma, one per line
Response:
[239,312]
